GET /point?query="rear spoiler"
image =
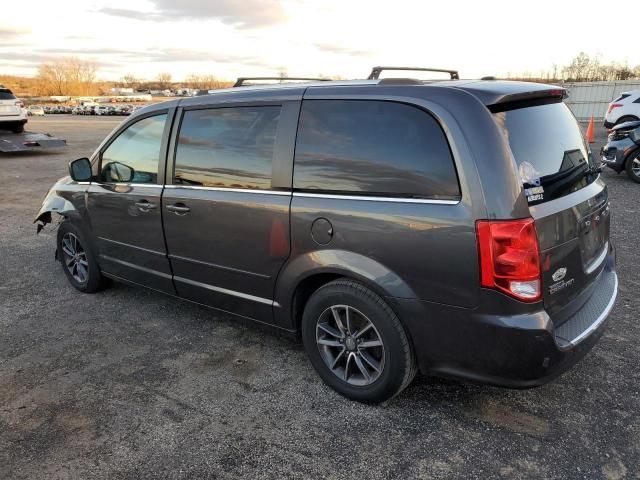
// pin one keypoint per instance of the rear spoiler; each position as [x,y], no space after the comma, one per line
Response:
[528,99]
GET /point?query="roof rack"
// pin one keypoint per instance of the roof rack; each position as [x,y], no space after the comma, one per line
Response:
[241,80]
[375,71]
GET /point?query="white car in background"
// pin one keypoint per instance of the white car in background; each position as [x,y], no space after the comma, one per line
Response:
[102,110]
[35,110]
[625,108]
[12,114]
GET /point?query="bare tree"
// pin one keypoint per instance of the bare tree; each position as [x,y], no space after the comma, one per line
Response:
[130,80]
[204,82]
[164,80]
[67,76]
[52,79]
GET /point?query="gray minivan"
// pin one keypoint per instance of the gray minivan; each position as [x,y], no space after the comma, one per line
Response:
[456,227]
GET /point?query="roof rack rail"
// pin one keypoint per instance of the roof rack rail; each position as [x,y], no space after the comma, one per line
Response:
[375,71]
[241,80]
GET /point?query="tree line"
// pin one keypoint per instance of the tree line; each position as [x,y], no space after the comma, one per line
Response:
[583,68]
[74,76]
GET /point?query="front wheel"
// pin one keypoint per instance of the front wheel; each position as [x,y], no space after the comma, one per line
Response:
[356,342]
[633,166]
[78,262]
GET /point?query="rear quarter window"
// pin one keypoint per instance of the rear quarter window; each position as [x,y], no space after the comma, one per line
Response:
[373,148]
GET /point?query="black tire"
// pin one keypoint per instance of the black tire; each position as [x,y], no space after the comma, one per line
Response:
[633,162]
[626,118]
[397,366]
[18,129]
[90,282]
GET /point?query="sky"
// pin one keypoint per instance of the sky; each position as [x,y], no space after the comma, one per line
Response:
[345,38]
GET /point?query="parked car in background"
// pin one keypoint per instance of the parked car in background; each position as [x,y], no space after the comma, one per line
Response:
[35,110]
[625,108]
[457,228]
[13,115]
[101,110]
[622,150]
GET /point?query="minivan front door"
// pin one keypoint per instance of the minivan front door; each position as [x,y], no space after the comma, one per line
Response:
[124,205]
[226,219]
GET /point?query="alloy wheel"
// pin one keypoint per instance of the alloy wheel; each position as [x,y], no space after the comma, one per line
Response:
[635,166]
[350,345]
[75,257]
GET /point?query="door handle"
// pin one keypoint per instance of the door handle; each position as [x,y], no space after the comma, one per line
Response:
[145,205]
[179,208]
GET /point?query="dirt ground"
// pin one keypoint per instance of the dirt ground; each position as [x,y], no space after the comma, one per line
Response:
[128,383]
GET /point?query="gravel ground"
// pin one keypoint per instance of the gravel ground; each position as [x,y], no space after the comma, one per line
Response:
[128,383]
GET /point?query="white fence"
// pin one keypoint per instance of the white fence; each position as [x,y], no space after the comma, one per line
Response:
[588,99]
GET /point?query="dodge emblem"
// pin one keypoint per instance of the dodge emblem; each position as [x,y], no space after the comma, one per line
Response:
[559,274]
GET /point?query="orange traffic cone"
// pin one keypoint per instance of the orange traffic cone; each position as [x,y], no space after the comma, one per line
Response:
[590,131]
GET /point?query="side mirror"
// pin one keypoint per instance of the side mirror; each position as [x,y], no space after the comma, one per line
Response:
[80,170]
[118,172]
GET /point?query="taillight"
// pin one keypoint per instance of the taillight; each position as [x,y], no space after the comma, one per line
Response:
[510,257]
[612,106]
[19,104]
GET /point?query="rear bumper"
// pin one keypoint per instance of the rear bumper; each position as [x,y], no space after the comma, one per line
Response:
[18,119]
[515,351]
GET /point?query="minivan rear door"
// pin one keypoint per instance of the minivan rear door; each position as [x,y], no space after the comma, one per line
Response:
[566,197]
[226,203]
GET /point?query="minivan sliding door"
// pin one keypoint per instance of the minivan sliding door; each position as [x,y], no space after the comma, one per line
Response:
[226,216]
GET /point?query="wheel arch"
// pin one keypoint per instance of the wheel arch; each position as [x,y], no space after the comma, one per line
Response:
[627,118]
[306,273]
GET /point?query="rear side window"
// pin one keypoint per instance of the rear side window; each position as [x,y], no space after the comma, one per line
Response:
[549,149]
[5,94]
[622,97]
[229,147]
[372,148]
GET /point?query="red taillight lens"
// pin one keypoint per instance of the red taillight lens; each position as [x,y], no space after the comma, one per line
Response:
[510,257]
[612,106]
[19,104]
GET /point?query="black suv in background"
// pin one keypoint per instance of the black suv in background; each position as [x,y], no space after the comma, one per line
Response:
[457,227]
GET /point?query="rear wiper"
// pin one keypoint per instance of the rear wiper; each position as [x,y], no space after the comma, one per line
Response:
[569,172]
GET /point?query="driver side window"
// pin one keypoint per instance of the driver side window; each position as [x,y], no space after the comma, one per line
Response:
[134,155]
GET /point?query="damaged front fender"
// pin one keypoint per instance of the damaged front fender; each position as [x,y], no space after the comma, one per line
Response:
[53,203]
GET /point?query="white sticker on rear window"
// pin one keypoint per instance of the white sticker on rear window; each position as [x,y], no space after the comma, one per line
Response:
[529,174]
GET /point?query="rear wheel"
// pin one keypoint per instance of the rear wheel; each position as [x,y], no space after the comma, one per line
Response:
[356,342]
[632,166]
[78,262]
[18,129]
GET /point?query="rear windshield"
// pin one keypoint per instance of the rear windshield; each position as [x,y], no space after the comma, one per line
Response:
[6,95]
[552,156]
